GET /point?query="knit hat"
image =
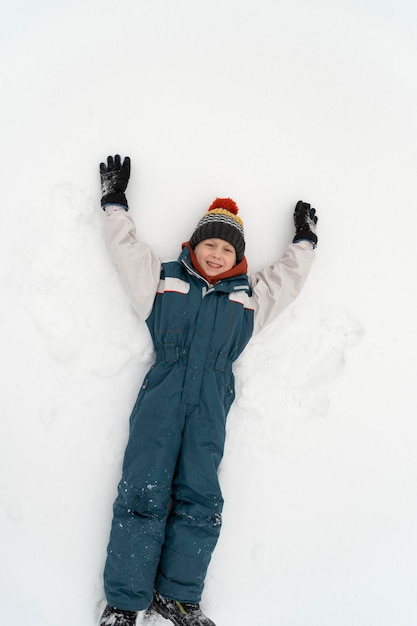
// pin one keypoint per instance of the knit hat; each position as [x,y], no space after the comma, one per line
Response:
[221,222]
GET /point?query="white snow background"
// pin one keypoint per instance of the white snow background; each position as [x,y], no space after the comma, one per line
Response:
[268,102]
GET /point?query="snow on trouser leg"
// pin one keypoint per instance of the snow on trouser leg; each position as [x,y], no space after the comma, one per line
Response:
[133,552]
[186,554]
[194,524]
[174,449]
[141,508]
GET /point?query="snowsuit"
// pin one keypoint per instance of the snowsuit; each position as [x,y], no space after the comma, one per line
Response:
[167,515]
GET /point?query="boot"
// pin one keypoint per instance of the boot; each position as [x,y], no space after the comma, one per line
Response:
[117,617]
[180,613]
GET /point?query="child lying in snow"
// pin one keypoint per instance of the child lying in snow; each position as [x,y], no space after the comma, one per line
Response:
[201,311]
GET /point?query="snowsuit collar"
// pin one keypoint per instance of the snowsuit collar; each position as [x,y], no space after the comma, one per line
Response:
[237,270]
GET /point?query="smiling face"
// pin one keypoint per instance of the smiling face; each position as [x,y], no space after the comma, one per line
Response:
[215,256]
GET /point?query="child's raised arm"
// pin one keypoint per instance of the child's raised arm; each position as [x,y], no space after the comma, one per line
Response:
[275,287]
[139,267]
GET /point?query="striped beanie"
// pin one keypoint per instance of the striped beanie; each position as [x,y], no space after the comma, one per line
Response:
[221,222]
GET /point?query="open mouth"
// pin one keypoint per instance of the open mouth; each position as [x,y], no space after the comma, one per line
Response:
[213,266]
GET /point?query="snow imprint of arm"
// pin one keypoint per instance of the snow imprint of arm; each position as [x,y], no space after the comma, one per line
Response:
[62,276]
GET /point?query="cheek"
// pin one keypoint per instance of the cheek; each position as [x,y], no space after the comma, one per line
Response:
[230,262]
[231,259]
[198,255]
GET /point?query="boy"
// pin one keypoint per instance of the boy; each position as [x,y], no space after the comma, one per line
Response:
[201,311]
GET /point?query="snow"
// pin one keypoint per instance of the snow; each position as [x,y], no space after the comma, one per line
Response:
[267,102]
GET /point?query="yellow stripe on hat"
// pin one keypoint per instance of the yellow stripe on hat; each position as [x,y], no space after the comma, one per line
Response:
[221,211]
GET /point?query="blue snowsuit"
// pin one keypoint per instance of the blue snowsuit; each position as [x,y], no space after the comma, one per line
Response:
[177,434]
[167,515]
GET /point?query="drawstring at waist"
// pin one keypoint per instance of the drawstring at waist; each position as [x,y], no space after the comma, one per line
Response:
[172,354]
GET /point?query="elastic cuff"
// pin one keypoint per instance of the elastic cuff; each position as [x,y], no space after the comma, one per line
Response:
[312,244]
[115,198]
[307,235]
[122,206]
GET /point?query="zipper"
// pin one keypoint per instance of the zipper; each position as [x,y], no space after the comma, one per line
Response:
[192,271]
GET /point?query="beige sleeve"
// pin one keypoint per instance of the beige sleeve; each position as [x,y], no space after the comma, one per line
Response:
[275,287]
[138,266]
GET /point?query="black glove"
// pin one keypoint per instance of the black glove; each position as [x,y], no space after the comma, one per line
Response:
[114,179]
[305,220]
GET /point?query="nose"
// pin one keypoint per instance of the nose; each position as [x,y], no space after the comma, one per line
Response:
[216,254]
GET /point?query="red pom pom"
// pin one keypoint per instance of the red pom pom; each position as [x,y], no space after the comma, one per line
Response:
[225,203]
